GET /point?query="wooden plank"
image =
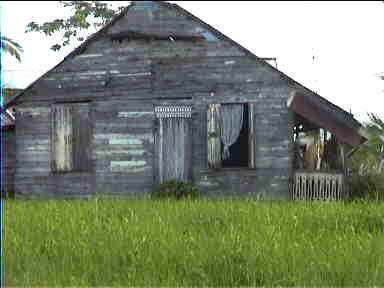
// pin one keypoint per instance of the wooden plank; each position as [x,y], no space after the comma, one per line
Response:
[213,137]
[241,92]
[252,135]
[133,50]
[62,138]
[82,138]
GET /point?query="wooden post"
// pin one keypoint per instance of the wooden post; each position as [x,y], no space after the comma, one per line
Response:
[160,150]
[251,136]
[213,141]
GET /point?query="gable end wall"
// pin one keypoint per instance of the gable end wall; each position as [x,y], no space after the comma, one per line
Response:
[124,80]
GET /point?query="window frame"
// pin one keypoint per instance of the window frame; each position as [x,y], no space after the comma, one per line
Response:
[251,138]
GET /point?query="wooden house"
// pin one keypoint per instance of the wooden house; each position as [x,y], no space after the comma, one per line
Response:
[157,94]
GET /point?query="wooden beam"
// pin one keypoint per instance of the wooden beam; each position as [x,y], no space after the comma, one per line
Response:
[133,35]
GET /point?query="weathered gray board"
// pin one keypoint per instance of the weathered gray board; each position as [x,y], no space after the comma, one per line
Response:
[123,81]
[8,159]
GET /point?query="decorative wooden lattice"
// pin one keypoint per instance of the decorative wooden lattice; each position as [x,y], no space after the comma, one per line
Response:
[318,186]
[173,111]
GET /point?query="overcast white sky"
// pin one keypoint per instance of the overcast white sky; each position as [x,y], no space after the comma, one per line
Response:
[334,48]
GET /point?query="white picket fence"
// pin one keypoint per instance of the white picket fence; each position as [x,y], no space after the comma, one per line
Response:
[315,185]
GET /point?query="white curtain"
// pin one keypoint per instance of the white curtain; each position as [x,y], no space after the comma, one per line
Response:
[231,121]
[174,145]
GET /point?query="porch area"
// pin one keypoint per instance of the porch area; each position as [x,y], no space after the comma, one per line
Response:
[322,136]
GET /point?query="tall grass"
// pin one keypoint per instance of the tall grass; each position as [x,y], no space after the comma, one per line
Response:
[184,243]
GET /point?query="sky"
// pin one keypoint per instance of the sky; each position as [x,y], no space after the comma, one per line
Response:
[333,48]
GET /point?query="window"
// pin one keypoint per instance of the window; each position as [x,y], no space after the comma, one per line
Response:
[70,137]
[231,137]
[238,151]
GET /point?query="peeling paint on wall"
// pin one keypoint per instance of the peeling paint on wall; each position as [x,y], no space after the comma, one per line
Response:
[125,141]
[143,5]
[136,152]
[208,184]
[230,62]
[113,138]
[89,55]
[128,166]
[209,36]
[134,74]
[129,152]
[41,111]
[124,114]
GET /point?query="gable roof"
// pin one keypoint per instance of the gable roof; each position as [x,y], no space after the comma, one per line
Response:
[327,106]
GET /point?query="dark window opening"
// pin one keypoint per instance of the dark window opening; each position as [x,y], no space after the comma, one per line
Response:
[239,150]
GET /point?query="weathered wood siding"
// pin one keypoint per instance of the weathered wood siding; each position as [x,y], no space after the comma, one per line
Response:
[8,159]
[123,147]
[123,80]
[33,173]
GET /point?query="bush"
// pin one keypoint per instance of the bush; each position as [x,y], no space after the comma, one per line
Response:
[175,189]
[370,186]
[8,194]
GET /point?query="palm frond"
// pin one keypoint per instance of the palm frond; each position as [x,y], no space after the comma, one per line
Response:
[9,46]
[376,121]
[375,132]
[14,43]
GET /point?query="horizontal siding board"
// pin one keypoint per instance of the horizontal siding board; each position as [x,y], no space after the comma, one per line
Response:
[238,91]
[101,65]
[134,50]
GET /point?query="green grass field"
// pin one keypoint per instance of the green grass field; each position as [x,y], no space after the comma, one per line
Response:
[207,242]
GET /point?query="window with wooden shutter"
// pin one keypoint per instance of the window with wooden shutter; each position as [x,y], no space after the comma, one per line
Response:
[70,137]
[231,135]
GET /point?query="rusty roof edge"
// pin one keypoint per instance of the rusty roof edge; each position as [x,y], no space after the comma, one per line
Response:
[249,53]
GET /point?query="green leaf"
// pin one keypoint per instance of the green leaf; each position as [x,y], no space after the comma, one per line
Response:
[56,47]
[83,13]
